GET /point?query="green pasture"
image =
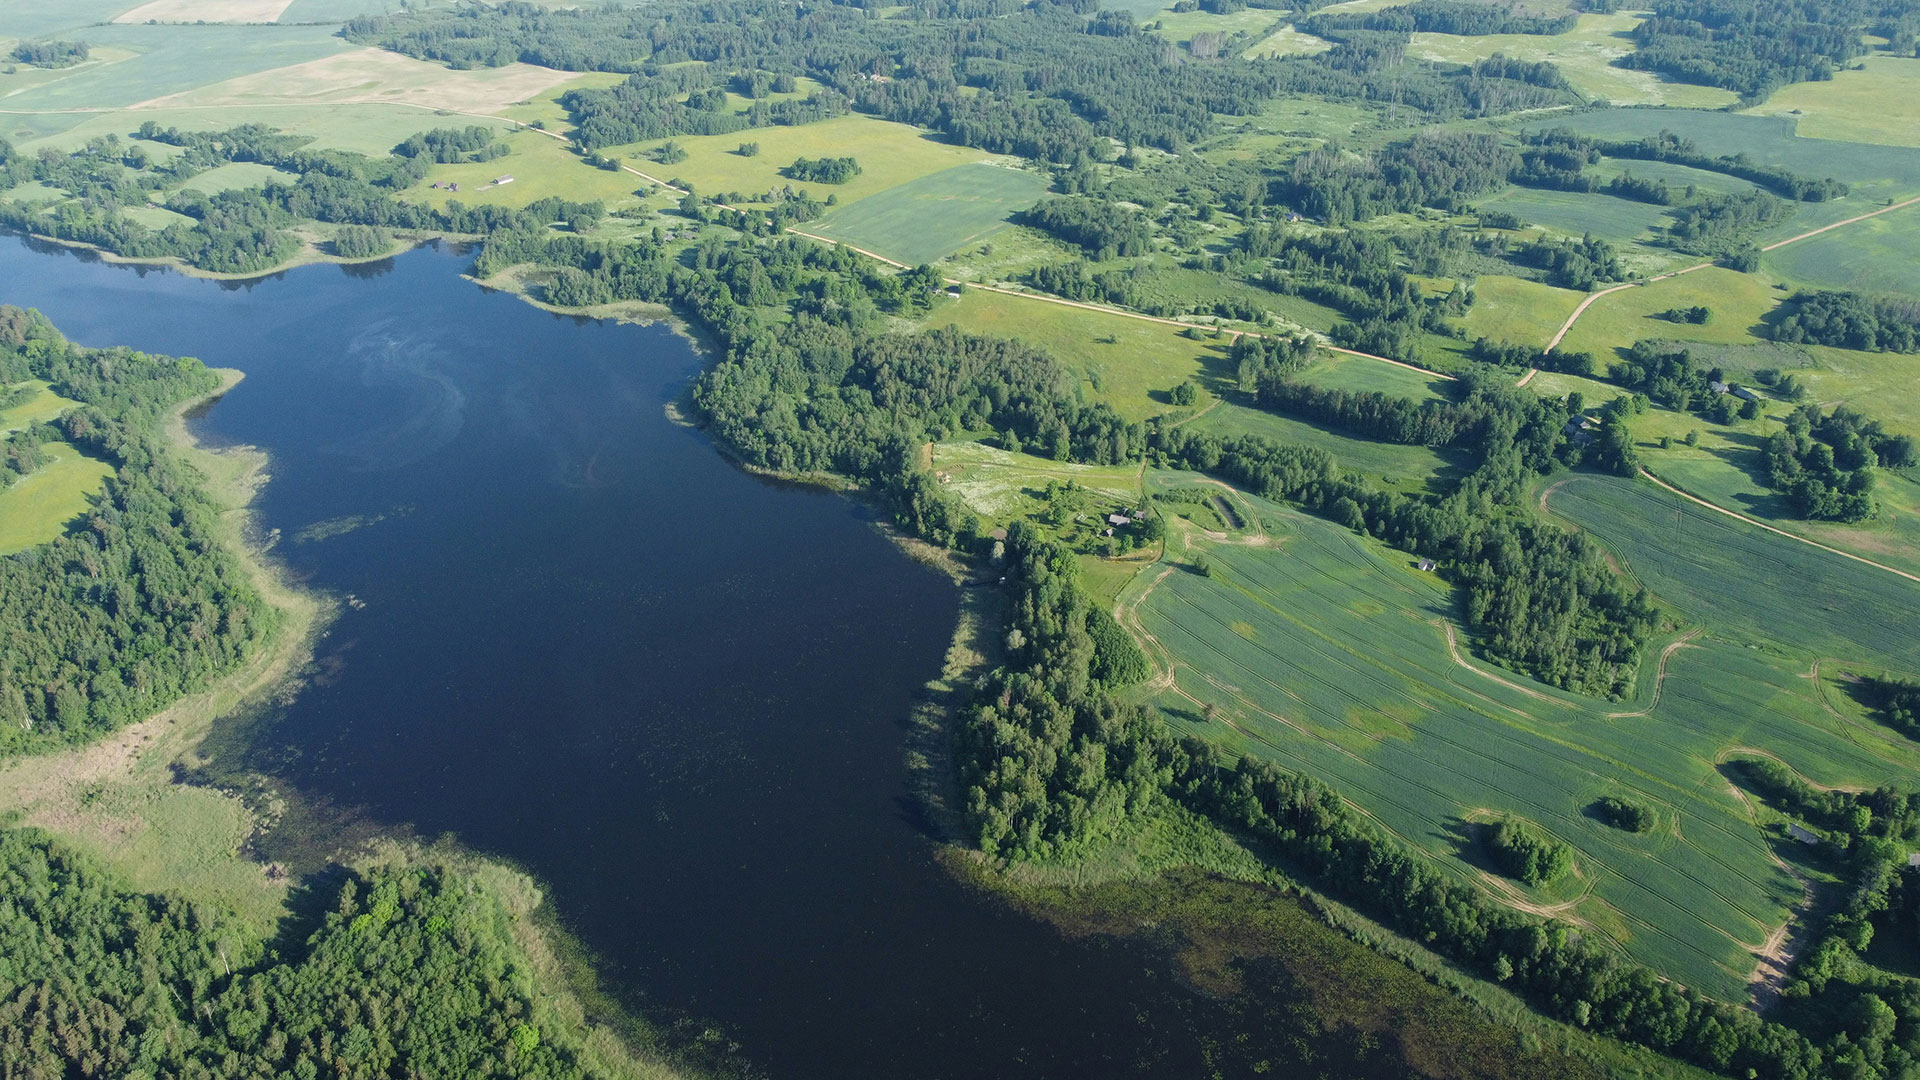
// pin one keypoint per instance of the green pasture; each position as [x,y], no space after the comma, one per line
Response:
[541,166]
[1881,254]
[1881,385]
[1403,468]
[1617,320]
[43,405]
[37,508]
[1585,56]
[923,220]
[1877,102]
[1328,653]
[171,58]
[1517,310]
[1182,26]
[1677,177]
[1131,364]
[889,155]
[1357,373]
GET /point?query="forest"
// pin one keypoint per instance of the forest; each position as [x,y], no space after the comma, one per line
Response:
[141,603]
[408,970]
[1752,47]
[1824,462]
[1849,320]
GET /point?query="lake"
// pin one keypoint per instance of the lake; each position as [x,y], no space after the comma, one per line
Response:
[579,638]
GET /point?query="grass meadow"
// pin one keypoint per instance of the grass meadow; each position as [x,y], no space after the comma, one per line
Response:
[43,405]
[1738,301]
[1403,468]
[1329,653]
[1517,310]
[889,155]
[1585,56]
[1878,102]
[924,220]
[38,507]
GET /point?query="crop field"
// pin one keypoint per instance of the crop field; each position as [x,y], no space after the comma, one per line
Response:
[1328,653]
[924,220]
[1517,310]
[1878,105]
[1880,255]
[51,18]
[889,155]
[1618,220]
[1585,56]
[1342,372]
[36,509]
[1130,364]
[171,59]
[205,11]
[1879,384]
[1403,468]
[376,75]
[1619,319]
[1676,176]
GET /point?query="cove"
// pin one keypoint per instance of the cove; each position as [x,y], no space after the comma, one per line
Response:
[583,640]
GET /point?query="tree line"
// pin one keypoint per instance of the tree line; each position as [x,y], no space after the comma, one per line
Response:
[1848,320]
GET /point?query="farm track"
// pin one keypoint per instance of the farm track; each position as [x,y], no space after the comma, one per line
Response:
[1586,303]
[1659,676]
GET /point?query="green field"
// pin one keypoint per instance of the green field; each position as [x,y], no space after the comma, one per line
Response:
[1131,364]
[1001,486]
[1618,220]
[1182,26]
[238,174]
[43,405]
[1880,254]
[1343,372]
[366,129]
[1619,319]
[1403,468]
[1878,104]
[38,507]
[923,220]
[541,165]
[1287,41]
[169,59]
[1517,310]
[889,155]
[1585,56]
[1327,653]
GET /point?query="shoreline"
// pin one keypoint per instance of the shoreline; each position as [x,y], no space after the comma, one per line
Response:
[309,255]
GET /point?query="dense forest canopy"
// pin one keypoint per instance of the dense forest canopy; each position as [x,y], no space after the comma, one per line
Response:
[140,602]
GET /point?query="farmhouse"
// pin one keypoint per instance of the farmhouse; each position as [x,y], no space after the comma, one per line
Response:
[1119,519]
[1717,387]
[1803,835]
[1428,565]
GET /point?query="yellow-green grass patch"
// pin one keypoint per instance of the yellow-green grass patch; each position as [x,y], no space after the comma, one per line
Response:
[1131,364]
[540,165]
[156,217]
[1585,55]
[1617,320]
[1357,373]
[889,155]
[1001,485]
[1572,213]
[925,219]
[1878,102]
[43,405]
[1181,27]
[1287,41]
[1518,311]
[38,507]
[237,174]
[366,129]
[1882,385]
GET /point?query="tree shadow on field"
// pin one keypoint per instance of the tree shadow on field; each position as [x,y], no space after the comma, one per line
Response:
[1469,840]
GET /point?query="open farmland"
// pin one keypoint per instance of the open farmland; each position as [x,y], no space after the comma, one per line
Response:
[36,508]
[889,155]
[1403,468]
[1330,654]
[1517,310]
[169,59]
[1617,320]
[1878,255]
[1131,364]
[1879,103]
[924,220]
[375,75]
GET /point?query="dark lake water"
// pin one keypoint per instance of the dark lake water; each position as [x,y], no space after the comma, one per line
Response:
[671,690]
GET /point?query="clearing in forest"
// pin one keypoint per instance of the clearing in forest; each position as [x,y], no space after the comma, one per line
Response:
[923,220]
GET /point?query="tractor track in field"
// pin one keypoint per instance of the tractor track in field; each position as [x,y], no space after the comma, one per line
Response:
[1660,675]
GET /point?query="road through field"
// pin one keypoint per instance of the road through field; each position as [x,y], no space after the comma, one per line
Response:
[1761,524]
